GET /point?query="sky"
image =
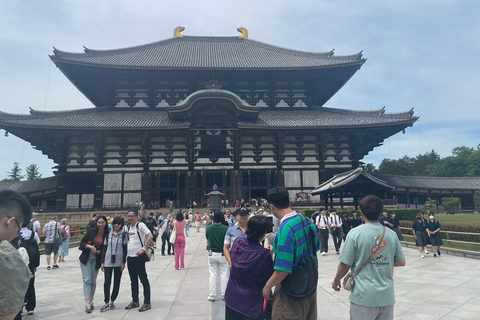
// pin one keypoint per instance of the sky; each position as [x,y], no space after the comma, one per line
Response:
[421,54]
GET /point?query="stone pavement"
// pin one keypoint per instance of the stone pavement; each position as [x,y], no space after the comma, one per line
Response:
[430,288]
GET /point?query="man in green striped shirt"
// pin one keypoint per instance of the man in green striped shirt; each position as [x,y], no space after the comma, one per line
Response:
[291,248]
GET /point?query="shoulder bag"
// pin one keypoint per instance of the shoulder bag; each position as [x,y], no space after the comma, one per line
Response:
[302,282]
[173,235]
[349,279]
[149,254]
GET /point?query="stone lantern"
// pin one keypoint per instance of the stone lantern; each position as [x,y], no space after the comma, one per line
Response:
[215,198]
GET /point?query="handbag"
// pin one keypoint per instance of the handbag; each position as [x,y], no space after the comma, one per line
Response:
[349,280]
[302,283]
[57,241]
[173,235]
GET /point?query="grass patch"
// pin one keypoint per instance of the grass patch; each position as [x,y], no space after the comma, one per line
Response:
[453,245]
[470,219]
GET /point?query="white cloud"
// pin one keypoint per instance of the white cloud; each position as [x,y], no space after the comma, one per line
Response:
[420,54]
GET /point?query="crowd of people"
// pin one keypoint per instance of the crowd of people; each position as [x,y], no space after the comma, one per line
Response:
[261,257]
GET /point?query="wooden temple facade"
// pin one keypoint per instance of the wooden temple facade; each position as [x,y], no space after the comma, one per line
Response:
[174,117]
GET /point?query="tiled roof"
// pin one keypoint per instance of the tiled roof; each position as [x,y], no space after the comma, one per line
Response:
[103,118]
[207,53]
[323,117]
[30,186]
[344,178]
[445,183]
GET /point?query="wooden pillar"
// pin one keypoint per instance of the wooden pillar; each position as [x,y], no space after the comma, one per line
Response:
[191,186]
[279,178]
[146,175]
[61,145]
[99,178]
[408,199]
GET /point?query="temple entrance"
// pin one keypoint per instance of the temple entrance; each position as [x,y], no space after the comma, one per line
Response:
[258,193]
[166,196]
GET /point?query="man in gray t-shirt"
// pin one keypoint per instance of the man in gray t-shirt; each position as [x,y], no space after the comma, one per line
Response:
[373,295]
[50,230]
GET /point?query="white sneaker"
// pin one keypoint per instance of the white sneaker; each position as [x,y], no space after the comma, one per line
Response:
[425,251]
[422,255]
[324,253]
[210,298]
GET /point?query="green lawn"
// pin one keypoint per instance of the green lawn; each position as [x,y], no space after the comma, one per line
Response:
[471,219]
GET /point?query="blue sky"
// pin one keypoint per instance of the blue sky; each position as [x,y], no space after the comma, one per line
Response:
[421,54]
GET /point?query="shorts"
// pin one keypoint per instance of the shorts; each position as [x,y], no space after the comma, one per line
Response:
[197,224]
[379,313]
[285,308]
[49,248]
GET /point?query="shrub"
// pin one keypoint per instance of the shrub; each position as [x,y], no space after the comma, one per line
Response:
[450,205]
[405,214]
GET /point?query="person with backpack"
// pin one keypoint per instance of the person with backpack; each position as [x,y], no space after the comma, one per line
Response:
[29,240]
[64,234]
[50,230]
[151,224]
[114,257]
[139,240]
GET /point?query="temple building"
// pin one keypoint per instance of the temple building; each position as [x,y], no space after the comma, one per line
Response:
[174,117]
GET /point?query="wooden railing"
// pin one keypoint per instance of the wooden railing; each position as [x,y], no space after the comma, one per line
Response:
[448,235]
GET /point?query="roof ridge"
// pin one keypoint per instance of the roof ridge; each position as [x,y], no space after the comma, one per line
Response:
[317,55]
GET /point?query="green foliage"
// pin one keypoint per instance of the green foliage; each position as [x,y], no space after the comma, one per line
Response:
[6,180]
[450,205]
[369,168]
[464,162]
[476,199]
[16,173]
[32,172]
[405,214]
[430,206]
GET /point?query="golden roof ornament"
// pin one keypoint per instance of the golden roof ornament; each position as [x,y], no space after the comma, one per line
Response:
[177,30]
[244,32]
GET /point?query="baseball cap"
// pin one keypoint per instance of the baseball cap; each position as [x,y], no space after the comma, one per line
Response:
[241,210]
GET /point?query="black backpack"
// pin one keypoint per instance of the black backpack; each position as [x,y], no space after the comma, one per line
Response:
[31,246]
[150,224]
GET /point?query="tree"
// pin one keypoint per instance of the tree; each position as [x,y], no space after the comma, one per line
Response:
[32,172]
[16,173]
[369,168]
[430,206]
[450,205]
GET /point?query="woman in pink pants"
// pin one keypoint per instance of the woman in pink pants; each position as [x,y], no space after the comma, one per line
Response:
[180,241]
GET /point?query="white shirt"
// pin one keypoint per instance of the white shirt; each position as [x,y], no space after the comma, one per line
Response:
[134,244]
[36,225]
[27,233]
[322,222]
[336,220]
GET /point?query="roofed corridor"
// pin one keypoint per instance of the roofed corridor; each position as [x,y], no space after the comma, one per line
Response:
[442,288]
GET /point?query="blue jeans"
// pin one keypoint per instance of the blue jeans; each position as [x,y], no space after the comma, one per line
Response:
[89,276]
[187,228]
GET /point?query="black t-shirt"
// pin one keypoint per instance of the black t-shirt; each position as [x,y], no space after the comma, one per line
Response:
[433,225]
[387,219]
[419,225]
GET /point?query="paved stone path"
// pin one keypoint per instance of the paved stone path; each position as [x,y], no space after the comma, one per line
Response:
[430,288]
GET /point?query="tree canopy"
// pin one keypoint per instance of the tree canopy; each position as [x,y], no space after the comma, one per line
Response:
[464,162]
